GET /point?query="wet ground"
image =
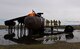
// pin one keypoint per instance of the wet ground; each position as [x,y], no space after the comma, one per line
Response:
[9,42]
[74,40]
[4,41]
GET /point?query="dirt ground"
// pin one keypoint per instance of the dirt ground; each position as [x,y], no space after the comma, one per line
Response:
[58,45]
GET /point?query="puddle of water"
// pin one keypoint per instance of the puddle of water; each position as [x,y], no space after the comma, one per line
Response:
[75,39]
[3,41]
[49,41]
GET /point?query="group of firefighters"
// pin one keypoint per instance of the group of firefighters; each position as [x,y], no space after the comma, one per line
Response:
[52,23]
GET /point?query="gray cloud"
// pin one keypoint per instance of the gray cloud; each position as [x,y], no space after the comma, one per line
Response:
[53,9]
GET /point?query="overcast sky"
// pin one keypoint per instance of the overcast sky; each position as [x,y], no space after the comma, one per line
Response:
[67,10]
